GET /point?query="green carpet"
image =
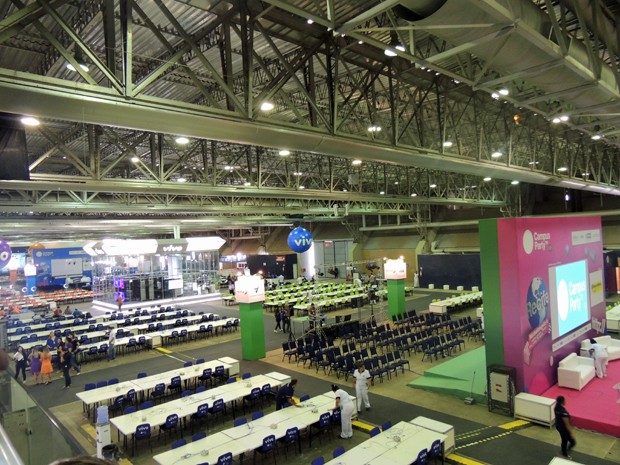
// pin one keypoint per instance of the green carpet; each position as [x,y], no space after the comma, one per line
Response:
[454,376]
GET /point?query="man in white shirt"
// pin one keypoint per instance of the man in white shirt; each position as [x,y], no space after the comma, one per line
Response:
[361,376]
[601,358]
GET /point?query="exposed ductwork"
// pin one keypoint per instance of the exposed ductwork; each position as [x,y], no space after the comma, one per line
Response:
[562,67]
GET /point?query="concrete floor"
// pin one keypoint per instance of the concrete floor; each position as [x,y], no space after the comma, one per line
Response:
[479,436]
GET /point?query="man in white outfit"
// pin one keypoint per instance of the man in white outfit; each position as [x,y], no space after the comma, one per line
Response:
[345,405]
[601,358]
[361,376]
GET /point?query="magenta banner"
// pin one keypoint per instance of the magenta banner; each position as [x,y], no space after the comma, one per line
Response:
[552,291]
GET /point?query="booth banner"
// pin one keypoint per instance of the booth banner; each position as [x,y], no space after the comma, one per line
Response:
[249,289]
[395,269]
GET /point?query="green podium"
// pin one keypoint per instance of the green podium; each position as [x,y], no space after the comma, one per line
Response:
[250,293]
[395,272]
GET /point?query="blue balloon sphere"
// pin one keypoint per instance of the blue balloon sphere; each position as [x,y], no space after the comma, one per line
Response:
[5,254]
[299,240]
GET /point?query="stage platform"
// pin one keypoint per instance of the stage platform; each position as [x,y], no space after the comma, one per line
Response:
[596,406]
[454,376]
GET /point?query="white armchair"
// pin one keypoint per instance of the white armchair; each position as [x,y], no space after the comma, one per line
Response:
[575,372]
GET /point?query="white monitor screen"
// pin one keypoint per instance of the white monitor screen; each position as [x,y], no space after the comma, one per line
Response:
[175,284]
[570,305]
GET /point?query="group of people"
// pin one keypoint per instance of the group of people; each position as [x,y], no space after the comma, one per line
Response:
[40,361]
[283,319]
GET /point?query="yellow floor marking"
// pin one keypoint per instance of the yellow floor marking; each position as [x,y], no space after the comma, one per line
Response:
[362,425]
[514,424]
[462,460]
[163,351]
[90,430]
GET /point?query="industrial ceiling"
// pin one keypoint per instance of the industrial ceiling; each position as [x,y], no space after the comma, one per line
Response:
[384,114]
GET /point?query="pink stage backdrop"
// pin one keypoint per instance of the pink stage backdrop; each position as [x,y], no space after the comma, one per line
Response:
[547,264]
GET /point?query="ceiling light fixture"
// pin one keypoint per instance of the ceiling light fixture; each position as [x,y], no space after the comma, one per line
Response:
[487,179]
[496,154]
[70,67]
[414,194]
[374,128]
[30,121]
[310,21]
[182,140]
[495,95]
[504,92]
[597,137]
[246,184]
[432,186]
[297,173]
[564,118]
[533,163]
[135,159]
[284,152]
[266,106]
[514,183]
[360,42]
[448,143]
[356,162]
[562,169]
[302,187]
[382,193]
[181,179]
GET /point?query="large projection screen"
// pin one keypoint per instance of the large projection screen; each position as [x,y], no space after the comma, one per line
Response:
[570,304]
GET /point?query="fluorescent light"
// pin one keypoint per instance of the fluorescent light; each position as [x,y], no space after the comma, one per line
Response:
[432,186]
[389,52]
[302,187]
[135,159]
[414,195]
[564,118]
[70,67]
[534,163]
[400,48]
[310,21]
[356,162]
[515,182]
[30,121]
[182,140]
[556,120]
[562,169]
[487,179]
[266,106]
[495,95]
[594,137]
[382,193]
[297,173]
[229,168]
[360,42]
[504,92]
[284,152]
[496,154]
[246,184]
[396,183]
[181,179]
[448,143]
[374,128]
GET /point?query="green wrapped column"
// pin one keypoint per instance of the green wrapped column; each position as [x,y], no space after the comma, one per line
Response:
[396,297]
[252,331]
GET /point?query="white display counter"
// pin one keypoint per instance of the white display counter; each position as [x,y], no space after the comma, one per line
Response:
[438,427]
[536,409]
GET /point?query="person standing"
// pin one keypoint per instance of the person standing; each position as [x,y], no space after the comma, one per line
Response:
[20,362]
[286,322]
[278,317]
[111,344]
[66,366]
[345,405]
[72,345]
[416,279]
[46,366]
[562,424]
[285,395]
[119,301]
[601,358]
[361,376]
[35,365]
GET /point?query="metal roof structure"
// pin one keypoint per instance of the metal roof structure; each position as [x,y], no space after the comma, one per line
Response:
[383,113]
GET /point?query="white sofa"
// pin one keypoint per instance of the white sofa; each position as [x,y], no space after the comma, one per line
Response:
[575,371]
[613,319]
[612,345]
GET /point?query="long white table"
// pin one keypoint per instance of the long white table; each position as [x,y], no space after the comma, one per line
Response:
[102,395]
[186,406]
[246,438]
[443,306]
[399,445]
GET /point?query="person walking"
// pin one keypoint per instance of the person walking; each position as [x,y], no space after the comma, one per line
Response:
[345,405]
[562,424]
[285,395]
[278,317]
[66,366]
[71,345]
[35,365]
[286,322]
[361,376]
[119,301]
[111,345]
[20,362]
[601,358]
[46,366]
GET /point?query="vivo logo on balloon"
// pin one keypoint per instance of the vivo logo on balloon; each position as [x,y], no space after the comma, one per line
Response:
[299,240]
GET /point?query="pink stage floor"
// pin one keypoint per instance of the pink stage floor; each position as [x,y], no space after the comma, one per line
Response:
[596,406]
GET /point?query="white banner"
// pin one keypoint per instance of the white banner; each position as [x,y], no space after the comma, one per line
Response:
[395,269]
[250,289]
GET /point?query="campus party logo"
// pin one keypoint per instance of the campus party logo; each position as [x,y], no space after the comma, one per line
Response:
[173,248]
[535,241]
[571,297]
